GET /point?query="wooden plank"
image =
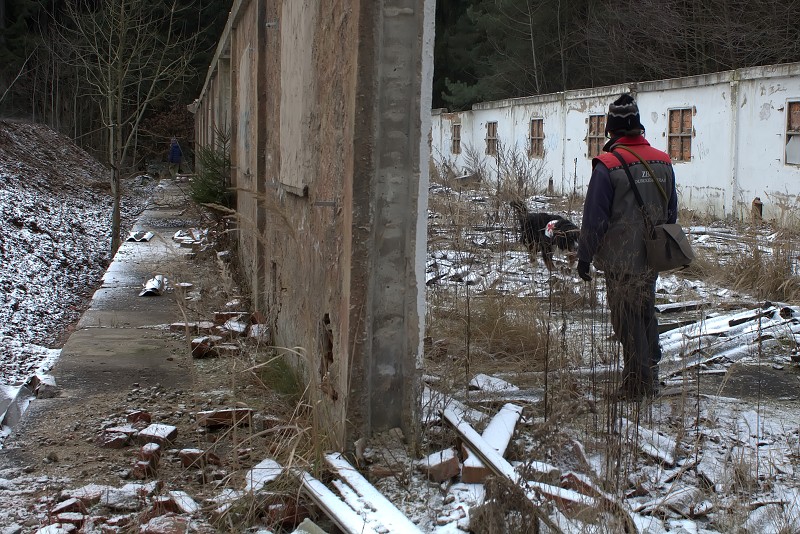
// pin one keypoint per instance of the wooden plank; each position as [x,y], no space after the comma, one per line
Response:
[389,515]
[336,509]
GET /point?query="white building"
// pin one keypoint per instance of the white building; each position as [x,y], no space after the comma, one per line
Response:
[732,136]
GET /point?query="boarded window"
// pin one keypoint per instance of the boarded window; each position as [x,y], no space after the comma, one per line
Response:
[596,137]
[491,138]
[455,147]
[536,138]
[793,133]
[680,134]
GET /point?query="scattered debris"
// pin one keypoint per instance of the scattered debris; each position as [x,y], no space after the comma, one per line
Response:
[154,287]
[497,434]
[140,236]
[225,417]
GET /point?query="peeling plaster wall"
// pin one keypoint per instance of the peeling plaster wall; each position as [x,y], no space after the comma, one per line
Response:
[738,148]
[327,149]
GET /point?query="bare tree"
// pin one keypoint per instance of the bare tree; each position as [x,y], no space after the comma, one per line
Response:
[131,52]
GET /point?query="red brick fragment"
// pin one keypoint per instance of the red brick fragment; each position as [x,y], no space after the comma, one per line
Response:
[441,466]
[71,518]
[157,433]
[70,505]
[197,458]
[164,504]
[226,417]
[139,416]
[284,511]
[143,469]
[166,524]
[112,440]
[221,317]
[182,328]
[150,452]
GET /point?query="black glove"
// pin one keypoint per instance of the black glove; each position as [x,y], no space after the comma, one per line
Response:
[583,270]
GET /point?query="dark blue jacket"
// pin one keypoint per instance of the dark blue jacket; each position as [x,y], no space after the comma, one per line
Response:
[175,153]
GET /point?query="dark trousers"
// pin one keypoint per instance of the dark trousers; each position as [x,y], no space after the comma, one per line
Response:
[631,300]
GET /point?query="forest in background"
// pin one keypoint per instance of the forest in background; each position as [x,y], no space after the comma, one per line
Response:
[494,49]
[43,80]
[484,50]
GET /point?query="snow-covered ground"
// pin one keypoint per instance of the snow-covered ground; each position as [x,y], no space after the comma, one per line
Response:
[55,220]
[718,452]
[694,460]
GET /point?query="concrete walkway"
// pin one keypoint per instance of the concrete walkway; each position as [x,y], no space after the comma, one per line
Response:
[110,352]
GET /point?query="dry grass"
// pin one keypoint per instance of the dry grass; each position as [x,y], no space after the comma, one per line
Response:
[496,333]
[768,271]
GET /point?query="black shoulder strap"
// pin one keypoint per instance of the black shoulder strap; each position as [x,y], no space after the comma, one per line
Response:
[630,179]
[647,222]
[649,169]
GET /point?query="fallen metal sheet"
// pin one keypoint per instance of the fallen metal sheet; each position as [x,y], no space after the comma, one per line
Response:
[501,467]
[337,510]
[390,516]
[140,236]
[675,307]
[154,287]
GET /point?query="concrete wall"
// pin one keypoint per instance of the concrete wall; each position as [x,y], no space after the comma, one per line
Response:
[738,147]
[327,147]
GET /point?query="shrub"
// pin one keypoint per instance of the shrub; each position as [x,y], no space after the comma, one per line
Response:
[211,184]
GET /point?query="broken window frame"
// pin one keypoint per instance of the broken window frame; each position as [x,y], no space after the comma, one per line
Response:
[595,135]
[680,133]
[455,146]
[491,138]
[791,147]
[536,138]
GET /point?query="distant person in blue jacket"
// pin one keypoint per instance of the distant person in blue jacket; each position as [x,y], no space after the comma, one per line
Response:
[175,157]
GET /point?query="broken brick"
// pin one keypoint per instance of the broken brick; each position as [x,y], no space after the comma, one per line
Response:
[112,440]
[71,518]
[226,417]
[90,494]
[163,504]
[160,434]
[284,511]
[221,317]
[205,327]
[184,503]
[150,452]
[70,505]
[139,416]
[474,471]
[182,328]
[144,469]
[197,458]
[441,466]
[201,347]
[166,524]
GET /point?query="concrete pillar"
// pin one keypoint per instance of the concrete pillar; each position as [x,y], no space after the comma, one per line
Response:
[400,37]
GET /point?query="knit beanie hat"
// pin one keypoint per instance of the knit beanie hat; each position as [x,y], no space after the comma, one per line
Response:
[623,115]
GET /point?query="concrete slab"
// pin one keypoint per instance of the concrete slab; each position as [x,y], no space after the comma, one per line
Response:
[109,352]
[125,319]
